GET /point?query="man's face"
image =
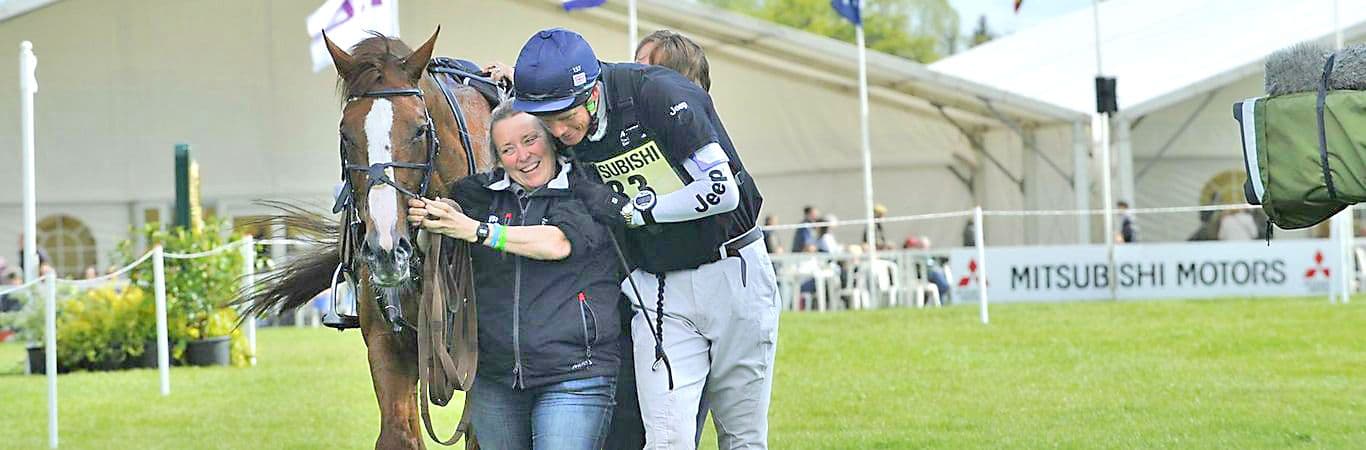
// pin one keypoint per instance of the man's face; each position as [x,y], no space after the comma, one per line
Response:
[571,125]
[568,126]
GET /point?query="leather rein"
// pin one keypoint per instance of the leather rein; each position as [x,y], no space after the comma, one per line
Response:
[447,307]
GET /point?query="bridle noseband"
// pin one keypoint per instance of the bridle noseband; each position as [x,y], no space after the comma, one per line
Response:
[375,172]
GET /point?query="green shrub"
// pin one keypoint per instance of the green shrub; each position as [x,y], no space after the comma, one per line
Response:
[27,321]
[197,290]
[102,325]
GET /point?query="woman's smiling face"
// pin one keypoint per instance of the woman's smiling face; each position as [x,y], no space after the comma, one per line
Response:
[524,150]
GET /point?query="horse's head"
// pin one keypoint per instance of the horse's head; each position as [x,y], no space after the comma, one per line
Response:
[388,146]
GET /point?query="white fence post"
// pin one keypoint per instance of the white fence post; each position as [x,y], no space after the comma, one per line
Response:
[50,356]
[981,261]
[249,280]
[163,346]
[28,86]
[1346,256]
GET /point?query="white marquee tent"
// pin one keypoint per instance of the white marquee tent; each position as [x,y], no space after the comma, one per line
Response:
[1180,64]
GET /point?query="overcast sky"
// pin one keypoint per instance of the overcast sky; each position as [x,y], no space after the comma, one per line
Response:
[1001,16]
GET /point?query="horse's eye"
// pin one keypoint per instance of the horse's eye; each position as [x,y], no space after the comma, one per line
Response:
[421,133]
[346,140]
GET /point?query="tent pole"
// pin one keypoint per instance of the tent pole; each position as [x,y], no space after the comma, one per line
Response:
[871,229]
[1081,181]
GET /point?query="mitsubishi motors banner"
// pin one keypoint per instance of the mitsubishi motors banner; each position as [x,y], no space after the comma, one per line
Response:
[1147,271]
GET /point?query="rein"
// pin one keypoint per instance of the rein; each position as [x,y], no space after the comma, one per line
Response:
[447,308]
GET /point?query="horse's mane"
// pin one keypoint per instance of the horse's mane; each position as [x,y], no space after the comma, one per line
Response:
[373,59]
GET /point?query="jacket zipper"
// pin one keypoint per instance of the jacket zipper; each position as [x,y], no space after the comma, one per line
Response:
[587,341]
[518,381]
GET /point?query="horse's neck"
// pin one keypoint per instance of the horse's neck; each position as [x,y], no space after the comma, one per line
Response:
[451,162]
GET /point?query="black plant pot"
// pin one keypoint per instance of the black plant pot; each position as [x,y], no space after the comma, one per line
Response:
[37,361]
[111,361]
[209,352]
[149,355]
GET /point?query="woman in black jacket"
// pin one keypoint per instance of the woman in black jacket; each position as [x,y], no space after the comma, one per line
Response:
[547,281]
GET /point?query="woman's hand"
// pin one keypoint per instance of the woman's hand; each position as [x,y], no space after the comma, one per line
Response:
[499,72]
[438,217]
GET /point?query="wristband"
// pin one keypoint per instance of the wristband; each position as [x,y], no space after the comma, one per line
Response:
[502,239]
[497,233]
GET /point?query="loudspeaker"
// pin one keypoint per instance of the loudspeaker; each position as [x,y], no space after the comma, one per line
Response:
[1105,95]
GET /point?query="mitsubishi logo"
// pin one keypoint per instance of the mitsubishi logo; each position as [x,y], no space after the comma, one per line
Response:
[971,277]
[1317,268]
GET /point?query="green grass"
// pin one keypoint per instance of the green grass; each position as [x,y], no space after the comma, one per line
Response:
[1201,374]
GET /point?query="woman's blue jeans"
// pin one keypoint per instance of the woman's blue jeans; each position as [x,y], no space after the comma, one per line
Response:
[571,415]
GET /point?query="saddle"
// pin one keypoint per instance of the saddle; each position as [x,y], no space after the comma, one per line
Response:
[447,331]
[460,71]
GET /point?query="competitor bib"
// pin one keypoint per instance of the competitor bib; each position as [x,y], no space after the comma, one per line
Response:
[638,169]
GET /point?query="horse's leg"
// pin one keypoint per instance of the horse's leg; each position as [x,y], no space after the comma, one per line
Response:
[393,368]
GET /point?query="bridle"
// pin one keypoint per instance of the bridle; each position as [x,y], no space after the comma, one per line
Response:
[374,173]
[353,228]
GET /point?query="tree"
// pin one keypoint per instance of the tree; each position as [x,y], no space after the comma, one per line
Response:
[981,34]
[922,30]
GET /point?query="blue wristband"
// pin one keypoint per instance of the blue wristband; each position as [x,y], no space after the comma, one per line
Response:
[493,237]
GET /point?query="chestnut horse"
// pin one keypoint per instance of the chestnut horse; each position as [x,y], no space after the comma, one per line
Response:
[385,136]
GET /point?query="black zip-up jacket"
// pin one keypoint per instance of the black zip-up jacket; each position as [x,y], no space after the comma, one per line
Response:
[544,322]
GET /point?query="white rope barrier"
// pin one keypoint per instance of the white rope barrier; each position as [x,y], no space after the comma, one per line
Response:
[283,242]
[1007,213]
[1077,212]
[210,252]
[21,287]
[930,216]
[112,276]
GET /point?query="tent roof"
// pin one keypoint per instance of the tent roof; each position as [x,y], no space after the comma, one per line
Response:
[1161,51]
[835,62]
[10,9]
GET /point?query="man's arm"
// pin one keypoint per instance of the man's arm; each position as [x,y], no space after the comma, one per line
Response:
[713,191]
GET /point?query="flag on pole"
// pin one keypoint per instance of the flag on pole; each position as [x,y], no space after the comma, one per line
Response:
[1017,5]
[348,22]
[850,9]
[570,5]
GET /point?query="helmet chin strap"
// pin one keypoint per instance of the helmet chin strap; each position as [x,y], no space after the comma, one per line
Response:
[591,105]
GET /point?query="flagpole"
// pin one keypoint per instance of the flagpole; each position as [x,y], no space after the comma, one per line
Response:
[1343,222]
[871,229]
[631,46]
[1102,122]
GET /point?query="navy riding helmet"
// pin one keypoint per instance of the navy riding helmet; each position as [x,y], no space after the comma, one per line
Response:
[555,71]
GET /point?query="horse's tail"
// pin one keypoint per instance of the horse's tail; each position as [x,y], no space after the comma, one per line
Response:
[298,280]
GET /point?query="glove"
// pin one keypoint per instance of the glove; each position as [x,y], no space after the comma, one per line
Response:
[605,205]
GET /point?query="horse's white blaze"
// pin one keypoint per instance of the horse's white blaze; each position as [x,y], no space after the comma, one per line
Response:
[383,199]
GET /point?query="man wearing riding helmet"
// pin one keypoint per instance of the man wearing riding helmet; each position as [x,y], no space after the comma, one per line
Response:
[653,135]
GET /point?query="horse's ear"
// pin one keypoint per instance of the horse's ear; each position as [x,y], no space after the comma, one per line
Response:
[339,57]
[416,63]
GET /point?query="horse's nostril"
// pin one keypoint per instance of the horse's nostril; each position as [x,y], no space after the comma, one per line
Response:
[405,247]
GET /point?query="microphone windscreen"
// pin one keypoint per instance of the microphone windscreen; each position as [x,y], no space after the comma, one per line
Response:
[1349,69]
[1297,68]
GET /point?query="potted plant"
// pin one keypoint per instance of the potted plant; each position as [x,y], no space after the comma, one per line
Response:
[28,323]
[197,292]
[99,328]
